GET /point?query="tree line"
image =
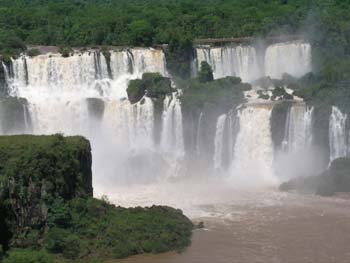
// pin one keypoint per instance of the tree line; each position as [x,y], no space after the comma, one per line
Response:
[325,23]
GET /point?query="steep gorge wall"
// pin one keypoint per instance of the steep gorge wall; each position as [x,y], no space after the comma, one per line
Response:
[35,171]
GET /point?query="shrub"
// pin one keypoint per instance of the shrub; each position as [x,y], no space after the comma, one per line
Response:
[205,73]
[221,94]
[55,241]
[279,93]
[33,52]
[135,90]
[65,51]
[154,85]
[28,256]
[59,214]
[72,247]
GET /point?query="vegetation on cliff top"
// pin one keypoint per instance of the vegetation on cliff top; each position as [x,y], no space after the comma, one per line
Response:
[153,85]
[47,211]
[205,92]
[34,172]
[205,73]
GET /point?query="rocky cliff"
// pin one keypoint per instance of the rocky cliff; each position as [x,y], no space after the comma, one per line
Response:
[34,172]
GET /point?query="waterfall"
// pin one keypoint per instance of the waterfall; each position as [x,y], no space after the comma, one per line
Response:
[239,61]
[135,62]
[62,94]
[337,134]
[242,61]
[130,125]
[83,74]
[25,118]
[172,141]
[199,134]
[4,78]
[58,91]
[232,123]
[298,129]
[19,71]
[253,155]
[293,58]
[101,69]
[219,141]
[172,130]
[6,72]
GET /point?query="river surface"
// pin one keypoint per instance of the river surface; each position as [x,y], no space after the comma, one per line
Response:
[253,225]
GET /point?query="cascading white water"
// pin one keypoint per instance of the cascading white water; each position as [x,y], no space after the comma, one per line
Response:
[253,155]
[172,130]
[337,134]
[233,129]
[298,130]
[293,58]
[6,72]
[219,141]
[242,61]
[239,61]
[130,125]
[199,133]
[172,141]
[298,156]
[58,89]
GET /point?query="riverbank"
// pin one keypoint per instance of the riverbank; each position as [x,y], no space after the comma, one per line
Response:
[264,226]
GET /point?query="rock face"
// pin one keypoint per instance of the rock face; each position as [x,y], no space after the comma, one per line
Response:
[34,172]
[334,179]
[14,115]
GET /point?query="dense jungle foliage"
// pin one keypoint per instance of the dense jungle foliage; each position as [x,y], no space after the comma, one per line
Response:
[48,214]
[325,23]
[149,22]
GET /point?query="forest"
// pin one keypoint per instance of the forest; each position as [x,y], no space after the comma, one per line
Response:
[325,23]
[151,22]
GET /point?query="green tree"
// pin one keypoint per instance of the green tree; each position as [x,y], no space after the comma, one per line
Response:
[141,33]
[205,73]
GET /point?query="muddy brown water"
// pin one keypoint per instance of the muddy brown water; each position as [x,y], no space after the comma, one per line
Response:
[294,229]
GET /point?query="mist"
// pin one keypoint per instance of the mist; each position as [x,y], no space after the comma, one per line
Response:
[195,156]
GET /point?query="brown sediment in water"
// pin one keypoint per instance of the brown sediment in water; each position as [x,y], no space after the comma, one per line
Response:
[296,229]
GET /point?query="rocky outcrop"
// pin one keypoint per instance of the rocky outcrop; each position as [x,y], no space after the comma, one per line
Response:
[153,85]
[34,172]
[334,179]
[14,115]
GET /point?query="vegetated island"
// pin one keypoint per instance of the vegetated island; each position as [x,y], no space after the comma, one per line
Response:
[48,213]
